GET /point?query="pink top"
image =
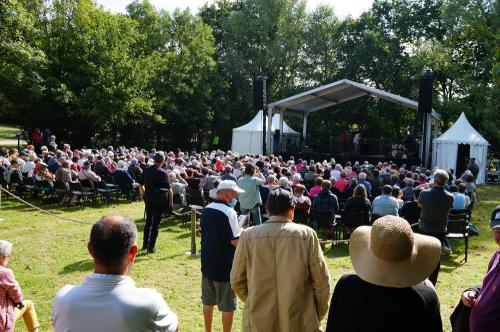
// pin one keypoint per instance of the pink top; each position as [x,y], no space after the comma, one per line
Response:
[341,184]
[10,293]
[314,191]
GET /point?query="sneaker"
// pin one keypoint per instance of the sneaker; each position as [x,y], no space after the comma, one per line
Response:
[153,251]
[445,251]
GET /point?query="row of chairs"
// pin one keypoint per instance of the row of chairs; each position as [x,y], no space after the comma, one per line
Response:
[107,189]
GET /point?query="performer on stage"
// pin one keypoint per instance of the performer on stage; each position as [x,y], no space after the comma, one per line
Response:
[158,197]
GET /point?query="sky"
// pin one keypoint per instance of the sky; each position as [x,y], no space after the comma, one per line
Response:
[343,8]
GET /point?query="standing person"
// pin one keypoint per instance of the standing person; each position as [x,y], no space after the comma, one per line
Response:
[436,203]
[485,299]
[280,273]
[220,232]
[473,168]
[389,291]
[250,200]
[46,137]
[108,299]
[12,305]
[158,197]
[356,141]
[36,138]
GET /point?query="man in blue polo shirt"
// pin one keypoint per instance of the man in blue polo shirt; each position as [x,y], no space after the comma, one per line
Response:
[220,232]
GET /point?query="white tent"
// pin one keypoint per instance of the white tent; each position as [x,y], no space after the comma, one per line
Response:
[445,147]
[248,138]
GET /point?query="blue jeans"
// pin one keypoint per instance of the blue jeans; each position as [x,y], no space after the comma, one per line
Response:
[255,212]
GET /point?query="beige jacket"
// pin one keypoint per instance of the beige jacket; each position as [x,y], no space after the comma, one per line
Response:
[280,273]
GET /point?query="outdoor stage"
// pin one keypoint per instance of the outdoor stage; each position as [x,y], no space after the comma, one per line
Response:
[343,158]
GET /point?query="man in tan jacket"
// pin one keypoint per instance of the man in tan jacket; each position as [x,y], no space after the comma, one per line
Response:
[280,273]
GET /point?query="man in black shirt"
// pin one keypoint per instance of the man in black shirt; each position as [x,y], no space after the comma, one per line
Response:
[220,232]
[158,197]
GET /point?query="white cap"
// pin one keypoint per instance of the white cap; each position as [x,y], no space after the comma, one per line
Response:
[229,184]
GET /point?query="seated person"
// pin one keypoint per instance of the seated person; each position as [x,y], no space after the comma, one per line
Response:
[100,168]
[122,177]
[302,205]
[460,199]
[384,204]
[14,176]
[178,185]
[87,174]
[398,194]
[364,182]
[410,210]
[325,201]
[12,305]
[109,300]
[349,190]
[228,174]
[377,182]
[408,190]
[284,183]
[392,264]
[334,189]
[317,187]
[359,202]
[341,183]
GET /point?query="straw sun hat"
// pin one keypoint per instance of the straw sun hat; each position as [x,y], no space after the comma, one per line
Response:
[389,254]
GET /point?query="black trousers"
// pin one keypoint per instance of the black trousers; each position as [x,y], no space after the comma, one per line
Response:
[434,275]
[153,218]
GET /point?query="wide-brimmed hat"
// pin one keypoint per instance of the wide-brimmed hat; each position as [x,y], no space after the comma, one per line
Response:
[389,254]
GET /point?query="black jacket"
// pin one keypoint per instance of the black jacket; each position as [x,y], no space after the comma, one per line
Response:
[360,306]
[156,186]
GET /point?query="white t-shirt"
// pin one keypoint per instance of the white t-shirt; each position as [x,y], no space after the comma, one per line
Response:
[107,303]
[28,167]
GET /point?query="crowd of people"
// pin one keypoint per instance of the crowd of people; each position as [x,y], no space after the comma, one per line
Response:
[276,267]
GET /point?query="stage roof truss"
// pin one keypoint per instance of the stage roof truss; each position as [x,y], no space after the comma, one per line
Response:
[334,94]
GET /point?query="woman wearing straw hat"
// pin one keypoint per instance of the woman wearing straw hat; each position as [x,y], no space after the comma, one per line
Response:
[389,291]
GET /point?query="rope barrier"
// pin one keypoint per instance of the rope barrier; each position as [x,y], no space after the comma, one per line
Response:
[42,210]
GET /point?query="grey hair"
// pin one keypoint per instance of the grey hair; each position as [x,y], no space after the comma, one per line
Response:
[362,176]
[5,248]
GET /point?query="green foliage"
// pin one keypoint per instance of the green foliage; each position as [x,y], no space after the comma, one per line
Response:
[154,78]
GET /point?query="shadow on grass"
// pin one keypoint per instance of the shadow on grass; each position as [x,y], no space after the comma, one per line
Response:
[143,256]
[451,263]
[337,250]
[81,266]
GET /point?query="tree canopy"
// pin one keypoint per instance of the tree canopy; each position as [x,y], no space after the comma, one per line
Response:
[152,78]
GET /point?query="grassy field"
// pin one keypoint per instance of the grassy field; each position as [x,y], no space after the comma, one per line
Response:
[49,253]
[8,137]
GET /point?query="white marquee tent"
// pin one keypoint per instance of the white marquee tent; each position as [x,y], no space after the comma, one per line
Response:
[248,138]
[445,147]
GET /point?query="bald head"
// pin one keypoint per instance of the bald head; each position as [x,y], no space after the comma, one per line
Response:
[111,239]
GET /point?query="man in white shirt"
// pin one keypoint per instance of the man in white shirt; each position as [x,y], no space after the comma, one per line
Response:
[108,300]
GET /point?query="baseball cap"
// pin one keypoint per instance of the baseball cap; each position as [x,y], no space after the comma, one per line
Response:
[229,184]
[495,218]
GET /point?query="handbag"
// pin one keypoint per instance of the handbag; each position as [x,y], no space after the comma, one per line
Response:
[460,318]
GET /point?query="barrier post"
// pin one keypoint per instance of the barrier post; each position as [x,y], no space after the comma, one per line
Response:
[193,232]
[193,228]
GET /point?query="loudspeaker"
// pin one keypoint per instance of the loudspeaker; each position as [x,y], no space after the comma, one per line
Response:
[259,94]
[425,92]
[276,135]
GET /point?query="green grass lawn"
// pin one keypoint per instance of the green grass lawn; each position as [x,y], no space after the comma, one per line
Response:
[8,137]
[49,253]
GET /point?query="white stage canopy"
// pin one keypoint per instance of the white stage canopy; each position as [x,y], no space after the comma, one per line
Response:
[329,95]
[248,138]
[445,147]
